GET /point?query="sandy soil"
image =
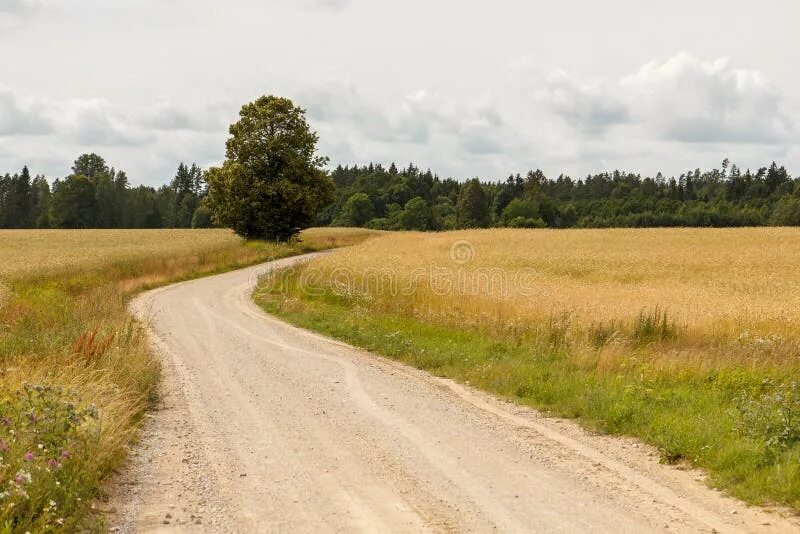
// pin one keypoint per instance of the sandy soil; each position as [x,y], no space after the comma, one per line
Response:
[266,427]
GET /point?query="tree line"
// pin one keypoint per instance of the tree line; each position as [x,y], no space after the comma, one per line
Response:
[411,199]
[95,195]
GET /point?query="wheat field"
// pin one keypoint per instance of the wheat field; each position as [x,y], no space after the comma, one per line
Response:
[43,252]
[738,286]
[24,252]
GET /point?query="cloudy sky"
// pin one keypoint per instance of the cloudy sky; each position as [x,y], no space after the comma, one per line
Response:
[464,87]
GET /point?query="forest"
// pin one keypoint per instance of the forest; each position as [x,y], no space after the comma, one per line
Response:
[95,195]
[411,199]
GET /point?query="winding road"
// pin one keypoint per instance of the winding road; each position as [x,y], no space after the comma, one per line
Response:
[264,427]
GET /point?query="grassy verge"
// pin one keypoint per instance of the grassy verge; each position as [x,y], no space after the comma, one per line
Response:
[740,421]
[77,374]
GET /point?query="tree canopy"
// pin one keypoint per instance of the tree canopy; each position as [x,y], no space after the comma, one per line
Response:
[95,195]
[719,197]
[272,183]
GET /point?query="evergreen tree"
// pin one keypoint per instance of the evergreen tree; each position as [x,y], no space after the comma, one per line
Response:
[473,206]
[186,195]
[40,211]
[72,203]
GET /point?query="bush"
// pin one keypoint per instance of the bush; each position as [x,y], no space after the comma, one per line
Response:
[523,222]
[202,218]
[771,414]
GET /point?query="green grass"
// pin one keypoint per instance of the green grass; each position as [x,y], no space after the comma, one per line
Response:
[702,417]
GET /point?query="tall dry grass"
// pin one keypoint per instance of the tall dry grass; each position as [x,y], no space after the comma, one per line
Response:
[737,288]
[76,373]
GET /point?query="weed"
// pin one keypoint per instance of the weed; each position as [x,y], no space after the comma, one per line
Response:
[654,326]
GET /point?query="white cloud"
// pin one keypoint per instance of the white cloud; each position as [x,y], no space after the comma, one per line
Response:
[345,106]
[19,7]
[334,5]
[85,121]
[692,101]
[682,99]
[425,127]
[168,115]
[20,116]
[13,13]
[590,106]
[94,122]
[48,133]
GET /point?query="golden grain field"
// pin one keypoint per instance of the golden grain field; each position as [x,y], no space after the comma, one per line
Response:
[41,252]
[24,252]
[737,286]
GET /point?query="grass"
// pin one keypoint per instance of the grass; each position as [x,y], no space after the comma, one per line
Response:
[77,374]
[688,339]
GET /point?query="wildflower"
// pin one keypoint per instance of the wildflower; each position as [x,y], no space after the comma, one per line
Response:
[32,417]
[40,446]
[5,421]
[53,463]
[22,477]
[65,453]
[28,457]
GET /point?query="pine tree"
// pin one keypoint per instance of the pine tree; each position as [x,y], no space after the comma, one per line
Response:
[473,206]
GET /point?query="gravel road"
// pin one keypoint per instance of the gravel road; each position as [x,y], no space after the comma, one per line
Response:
[264,427]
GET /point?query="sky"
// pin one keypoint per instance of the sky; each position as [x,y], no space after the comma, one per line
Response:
[463,87]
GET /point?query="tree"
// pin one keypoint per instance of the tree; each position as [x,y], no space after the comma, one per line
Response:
[90,166]
[107,214]
[787,212]
[415,215]
[187,189]
[142,210]
[272,182]
[72,203]
[357,211]
[473,206]
[15,200]
[40,195]
[202,218]
[522,213]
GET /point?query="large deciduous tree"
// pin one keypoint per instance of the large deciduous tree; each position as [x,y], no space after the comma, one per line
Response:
[272,182]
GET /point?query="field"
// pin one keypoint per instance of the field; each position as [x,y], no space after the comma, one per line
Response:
[77,374]
[686,338]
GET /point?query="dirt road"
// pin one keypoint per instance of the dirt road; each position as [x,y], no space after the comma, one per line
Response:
[265,427]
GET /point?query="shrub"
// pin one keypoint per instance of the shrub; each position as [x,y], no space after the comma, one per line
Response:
[771,414]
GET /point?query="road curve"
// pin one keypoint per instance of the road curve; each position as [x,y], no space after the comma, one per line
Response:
[265,427]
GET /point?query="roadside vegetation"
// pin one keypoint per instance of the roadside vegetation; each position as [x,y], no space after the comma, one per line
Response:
[77,374]
[688,339]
